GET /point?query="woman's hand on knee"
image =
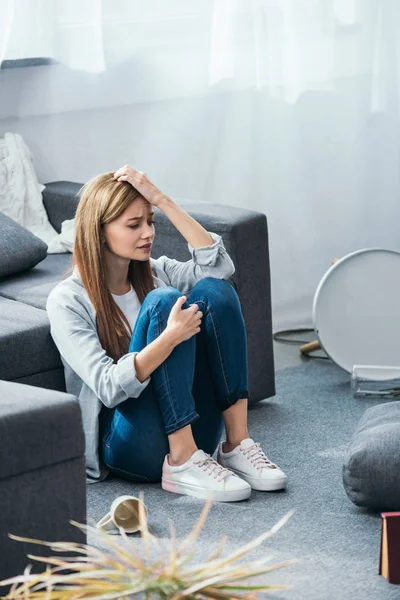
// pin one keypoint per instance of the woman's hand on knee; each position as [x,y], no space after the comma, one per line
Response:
[184,323]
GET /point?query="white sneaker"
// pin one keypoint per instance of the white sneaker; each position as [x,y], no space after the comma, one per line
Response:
[249,462]
[201,476]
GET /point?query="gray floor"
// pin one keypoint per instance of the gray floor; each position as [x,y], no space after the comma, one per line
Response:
[288,355]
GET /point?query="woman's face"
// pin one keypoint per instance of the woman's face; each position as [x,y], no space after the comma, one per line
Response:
[129,234]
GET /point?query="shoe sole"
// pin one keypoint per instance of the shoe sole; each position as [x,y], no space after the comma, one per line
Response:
[263,486]
[256,484]
[190,490]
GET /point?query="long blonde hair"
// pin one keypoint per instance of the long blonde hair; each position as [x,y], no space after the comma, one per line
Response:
[103,199]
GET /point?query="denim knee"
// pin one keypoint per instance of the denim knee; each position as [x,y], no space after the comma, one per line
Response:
[162,298]
[213,284]
[216,290]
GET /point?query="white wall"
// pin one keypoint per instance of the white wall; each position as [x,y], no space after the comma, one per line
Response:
[324,169]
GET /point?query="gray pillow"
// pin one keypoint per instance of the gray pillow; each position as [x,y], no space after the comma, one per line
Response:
[19,248]
[371,470]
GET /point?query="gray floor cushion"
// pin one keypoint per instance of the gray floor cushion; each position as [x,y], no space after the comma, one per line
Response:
[371,470]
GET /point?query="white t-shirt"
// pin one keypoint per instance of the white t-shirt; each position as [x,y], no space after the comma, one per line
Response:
[130,305]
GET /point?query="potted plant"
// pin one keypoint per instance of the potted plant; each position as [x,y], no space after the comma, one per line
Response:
[155,572]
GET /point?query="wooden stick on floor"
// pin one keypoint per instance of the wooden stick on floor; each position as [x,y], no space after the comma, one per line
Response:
[310,347]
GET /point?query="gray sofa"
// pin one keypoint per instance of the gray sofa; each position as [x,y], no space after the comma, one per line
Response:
[28,357]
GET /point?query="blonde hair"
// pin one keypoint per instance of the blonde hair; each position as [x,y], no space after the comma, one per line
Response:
[103,199]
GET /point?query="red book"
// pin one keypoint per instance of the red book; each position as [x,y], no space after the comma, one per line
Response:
[390,547]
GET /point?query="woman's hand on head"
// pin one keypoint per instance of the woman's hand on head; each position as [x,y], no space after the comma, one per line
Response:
[183,323]
[141,182]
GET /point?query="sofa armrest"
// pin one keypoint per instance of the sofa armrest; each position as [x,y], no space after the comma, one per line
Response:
[245,235]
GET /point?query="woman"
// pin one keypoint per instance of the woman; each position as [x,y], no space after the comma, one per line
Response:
[157,373]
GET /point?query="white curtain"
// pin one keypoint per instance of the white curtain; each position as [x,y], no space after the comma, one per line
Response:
[290,107]
[285,46]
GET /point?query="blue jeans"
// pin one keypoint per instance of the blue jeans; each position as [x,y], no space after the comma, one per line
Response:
[201,378]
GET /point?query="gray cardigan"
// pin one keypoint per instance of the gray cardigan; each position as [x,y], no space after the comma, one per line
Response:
[90,374]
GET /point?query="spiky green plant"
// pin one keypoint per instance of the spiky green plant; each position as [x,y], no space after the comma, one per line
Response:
[122,571]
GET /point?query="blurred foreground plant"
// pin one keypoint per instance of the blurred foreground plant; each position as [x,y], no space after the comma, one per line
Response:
[122,571]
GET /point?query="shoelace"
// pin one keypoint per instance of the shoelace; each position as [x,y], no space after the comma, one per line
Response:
[214,468]
[258,458]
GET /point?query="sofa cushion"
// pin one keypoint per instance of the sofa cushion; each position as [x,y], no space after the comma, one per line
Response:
[371,471]
[26,346]
[34,296]
[33,286]
[19,248]
[38,428]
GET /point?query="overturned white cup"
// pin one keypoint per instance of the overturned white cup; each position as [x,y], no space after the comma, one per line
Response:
[123,514]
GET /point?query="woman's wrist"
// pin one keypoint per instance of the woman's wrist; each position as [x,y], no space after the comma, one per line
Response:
[151,357]
[169,338]
[164,201]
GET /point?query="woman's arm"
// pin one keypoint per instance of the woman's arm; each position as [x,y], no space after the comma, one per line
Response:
[191,230]
[78,343]
[207,261]
[151,357]
[209,256]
